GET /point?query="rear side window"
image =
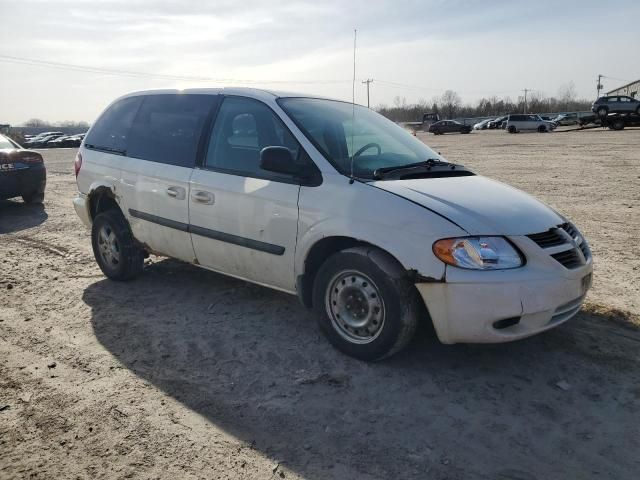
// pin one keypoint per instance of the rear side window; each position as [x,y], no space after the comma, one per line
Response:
[167,128]
[111,130]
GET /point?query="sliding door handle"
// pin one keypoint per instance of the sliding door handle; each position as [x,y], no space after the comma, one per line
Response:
[178,193]
[201,196]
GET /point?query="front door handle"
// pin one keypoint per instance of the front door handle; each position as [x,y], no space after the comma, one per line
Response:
[201,196]
[176,192]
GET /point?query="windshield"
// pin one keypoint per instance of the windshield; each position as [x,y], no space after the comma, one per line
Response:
[377,142]
[4,143]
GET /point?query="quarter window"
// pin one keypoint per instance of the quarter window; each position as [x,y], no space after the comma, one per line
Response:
[111,130]
[167,128]
[242,129]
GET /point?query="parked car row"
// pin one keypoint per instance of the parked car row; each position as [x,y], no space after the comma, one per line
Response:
[53,140]
[514,123]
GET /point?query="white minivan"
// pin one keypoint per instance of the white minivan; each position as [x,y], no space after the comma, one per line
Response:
[517,123]
[333,203]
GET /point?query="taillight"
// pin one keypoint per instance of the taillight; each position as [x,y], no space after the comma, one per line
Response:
[31,158]
[22,156]
[78,163]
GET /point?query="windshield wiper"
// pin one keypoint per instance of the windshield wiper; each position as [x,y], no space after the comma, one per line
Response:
[427,165]
[105,149]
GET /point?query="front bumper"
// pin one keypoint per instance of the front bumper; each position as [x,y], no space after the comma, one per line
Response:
[529,300]
[81,204]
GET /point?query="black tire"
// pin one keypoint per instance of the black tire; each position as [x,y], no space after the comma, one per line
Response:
[512,129]
[393,322]
[602,111]
[130,256]
[34,197]
[542,129]
[617,125]
[436,132]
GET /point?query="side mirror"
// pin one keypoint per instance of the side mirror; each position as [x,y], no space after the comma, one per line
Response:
[280,160]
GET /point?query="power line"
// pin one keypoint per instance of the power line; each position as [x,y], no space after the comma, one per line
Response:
[128,73]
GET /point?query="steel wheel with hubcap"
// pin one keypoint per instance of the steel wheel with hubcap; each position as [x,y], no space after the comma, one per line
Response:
[367,306]
[108,245]
[116,252]
[355,307]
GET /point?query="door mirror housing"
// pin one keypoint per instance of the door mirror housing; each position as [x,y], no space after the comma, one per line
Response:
[280,160]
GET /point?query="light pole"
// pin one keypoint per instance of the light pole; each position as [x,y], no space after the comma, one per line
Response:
[525,99]
[368,81]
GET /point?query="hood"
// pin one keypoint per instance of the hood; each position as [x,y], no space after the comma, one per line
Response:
[477,204]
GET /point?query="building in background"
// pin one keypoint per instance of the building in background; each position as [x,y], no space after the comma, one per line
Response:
[630,89]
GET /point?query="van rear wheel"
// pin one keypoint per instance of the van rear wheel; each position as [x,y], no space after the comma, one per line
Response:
[114,247]
[367,309]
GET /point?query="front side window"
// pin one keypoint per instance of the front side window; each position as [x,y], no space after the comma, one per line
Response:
[167,128]
[111,130]
[374,141]
[243,127]
[613,99]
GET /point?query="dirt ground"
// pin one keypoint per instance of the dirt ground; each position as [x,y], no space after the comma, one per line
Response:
[186,374]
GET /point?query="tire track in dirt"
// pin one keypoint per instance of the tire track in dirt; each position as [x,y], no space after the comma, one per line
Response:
[71,252]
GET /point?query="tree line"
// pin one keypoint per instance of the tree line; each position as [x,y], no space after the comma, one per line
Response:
[36,122]
[450,105]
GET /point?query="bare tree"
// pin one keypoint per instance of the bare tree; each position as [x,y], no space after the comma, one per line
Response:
[450,101]
[567,94]
[36,122]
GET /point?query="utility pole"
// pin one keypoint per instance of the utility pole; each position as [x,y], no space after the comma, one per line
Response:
[525,99]
[599,85]
[368,81]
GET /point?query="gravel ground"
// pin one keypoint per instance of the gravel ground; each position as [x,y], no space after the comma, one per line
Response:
[187,374]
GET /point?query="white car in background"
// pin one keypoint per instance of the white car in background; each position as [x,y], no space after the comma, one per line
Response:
[363,222]
[518,122]
[483,125]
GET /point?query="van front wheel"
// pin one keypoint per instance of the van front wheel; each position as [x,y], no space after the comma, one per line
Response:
[367,309]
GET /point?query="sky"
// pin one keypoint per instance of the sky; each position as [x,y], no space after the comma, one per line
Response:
[413,49]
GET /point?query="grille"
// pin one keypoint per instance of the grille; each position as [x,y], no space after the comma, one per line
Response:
[550,238]
[573,232]
[555,237]
[568,258]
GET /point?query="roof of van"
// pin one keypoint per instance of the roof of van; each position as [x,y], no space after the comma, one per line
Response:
[244,91]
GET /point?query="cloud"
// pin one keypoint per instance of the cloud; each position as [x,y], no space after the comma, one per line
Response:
[476,48]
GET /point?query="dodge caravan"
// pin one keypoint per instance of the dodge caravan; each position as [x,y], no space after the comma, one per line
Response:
[333,203]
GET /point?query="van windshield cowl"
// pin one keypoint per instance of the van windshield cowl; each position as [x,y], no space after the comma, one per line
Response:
[345,133]
[431,168]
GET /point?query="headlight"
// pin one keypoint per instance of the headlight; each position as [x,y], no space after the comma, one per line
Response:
[478,253]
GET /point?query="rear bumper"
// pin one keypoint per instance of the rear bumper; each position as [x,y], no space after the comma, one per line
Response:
[81,205]
[467,312]
[14,183]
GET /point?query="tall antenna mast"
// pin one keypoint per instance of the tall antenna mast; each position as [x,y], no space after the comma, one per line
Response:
[353,101]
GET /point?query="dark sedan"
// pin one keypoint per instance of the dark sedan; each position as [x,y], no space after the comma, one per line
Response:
[22,172]
[448,126]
